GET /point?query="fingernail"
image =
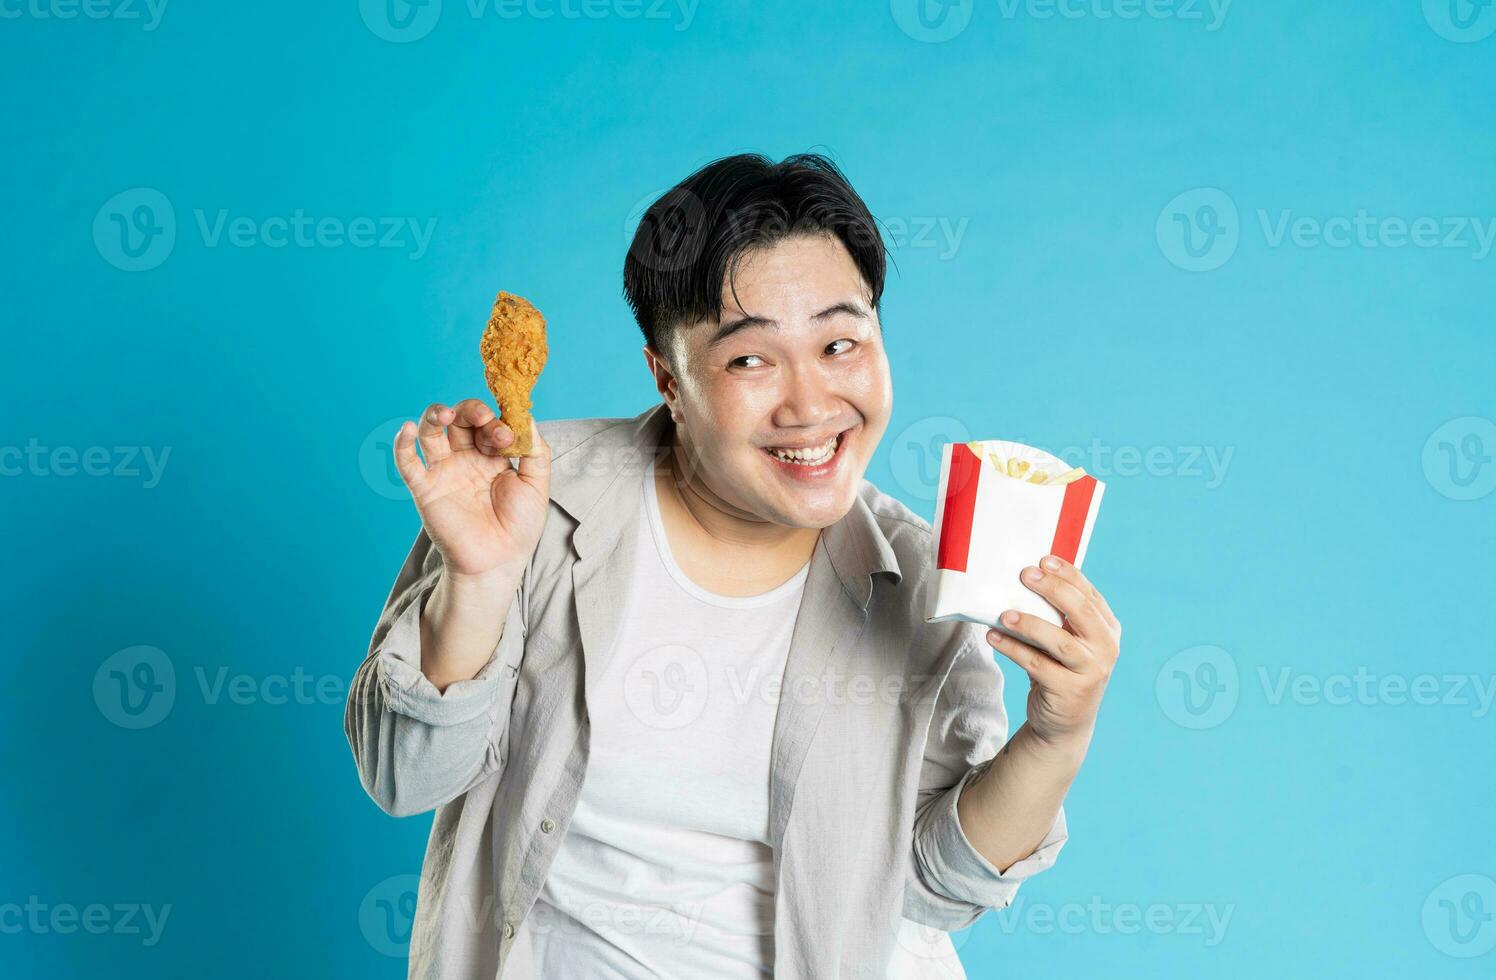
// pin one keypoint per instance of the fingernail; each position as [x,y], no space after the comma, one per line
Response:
[994,637]
[1032,575]
[1052,563]
[1010,617]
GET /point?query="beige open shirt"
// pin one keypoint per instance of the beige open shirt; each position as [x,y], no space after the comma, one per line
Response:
[881,719]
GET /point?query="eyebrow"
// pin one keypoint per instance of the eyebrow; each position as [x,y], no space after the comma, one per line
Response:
[746,322]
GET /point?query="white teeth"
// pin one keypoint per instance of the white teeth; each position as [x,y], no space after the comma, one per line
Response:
[811,457]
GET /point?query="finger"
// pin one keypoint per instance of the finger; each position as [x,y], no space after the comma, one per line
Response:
[1066,649]
[469,417]
[1067,571]
[1068,599]
[536,467]
[1040,667]
[494,437]
[407,461]
[1099,601]
[432,433]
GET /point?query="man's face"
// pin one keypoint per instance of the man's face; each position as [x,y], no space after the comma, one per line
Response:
[799,365]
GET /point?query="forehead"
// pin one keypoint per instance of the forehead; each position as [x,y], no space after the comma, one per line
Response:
[790,270]
[795,282]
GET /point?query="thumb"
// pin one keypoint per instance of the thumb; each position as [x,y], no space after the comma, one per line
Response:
[535,469]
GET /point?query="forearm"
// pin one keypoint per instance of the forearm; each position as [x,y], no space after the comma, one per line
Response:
[1007,808]
[462,624]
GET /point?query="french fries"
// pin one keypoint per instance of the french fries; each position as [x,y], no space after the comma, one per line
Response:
[1022,469]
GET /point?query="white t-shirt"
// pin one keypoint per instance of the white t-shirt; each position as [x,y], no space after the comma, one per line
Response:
[665,869]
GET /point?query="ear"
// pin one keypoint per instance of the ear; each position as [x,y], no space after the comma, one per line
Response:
[664,378]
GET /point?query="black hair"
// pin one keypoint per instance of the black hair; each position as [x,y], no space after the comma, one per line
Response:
[690,240]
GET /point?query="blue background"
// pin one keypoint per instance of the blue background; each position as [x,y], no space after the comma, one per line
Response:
[1334,541]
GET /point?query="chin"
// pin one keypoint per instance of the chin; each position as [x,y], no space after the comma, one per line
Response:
[819,513]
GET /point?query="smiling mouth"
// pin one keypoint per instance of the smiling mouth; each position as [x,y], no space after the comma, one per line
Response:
[811,456]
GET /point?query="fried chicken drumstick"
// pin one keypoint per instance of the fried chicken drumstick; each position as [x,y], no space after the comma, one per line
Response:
[514,351]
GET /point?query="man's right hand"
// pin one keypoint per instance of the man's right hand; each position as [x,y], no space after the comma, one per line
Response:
[484,516]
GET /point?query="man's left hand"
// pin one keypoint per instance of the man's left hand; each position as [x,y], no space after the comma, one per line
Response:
[1069,669]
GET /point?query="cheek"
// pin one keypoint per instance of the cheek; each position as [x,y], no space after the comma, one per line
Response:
[723,418]
[736,408]
[872,388]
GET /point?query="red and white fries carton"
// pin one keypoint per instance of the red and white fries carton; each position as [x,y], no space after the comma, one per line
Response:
[989,526]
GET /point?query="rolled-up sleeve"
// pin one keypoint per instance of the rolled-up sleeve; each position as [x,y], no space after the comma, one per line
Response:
[415,747]
[950,884]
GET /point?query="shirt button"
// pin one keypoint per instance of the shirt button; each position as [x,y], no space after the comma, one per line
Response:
[547,825]
[509,930]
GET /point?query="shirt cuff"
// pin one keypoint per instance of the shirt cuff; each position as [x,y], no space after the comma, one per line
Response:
[959,870]
[409,692]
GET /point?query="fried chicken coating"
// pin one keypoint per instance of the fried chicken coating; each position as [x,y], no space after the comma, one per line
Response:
[514,351]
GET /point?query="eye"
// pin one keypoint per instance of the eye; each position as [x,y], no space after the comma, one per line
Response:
[735,360]
[843,340]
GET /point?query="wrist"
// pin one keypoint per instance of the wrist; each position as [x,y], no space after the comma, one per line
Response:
[1059,750]
[495,583]
[466,601]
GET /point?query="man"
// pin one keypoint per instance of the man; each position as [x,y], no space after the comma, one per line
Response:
[667,682]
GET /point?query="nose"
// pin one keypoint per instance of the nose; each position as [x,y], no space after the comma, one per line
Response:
[808,400]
